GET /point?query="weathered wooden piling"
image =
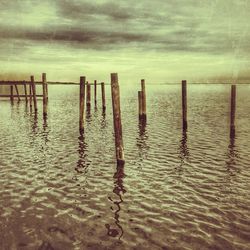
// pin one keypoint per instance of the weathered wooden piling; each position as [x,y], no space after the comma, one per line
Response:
[140,100]
[47,92]
[11,94]
[115,92]
[144,105]
[95,91]
[88,96]
[25,92]
[103,97]
[45,100]
[33,86]
[233,109]
[184,104]
[17,92]
[82,104]
[30,95]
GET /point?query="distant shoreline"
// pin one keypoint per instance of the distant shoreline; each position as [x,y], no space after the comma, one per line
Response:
[74,83]
[10,82]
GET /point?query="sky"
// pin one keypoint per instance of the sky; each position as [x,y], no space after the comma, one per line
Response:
[159,40]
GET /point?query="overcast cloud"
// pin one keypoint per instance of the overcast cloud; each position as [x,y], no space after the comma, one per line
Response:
[161,40]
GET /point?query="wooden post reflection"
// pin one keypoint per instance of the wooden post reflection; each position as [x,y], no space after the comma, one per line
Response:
[34,125]
[118,190]
[184,152]
[231,157]
[142,139]
[45,130]
[82,163]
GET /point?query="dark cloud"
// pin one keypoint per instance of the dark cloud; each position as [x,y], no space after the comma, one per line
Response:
[137,16]
[183,40]
[175,25]
[60,34]
[84,9]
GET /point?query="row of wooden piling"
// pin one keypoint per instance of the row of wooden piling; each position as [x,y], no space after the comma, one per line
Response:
[143,115]
[115,94]
[32,93]
[88,91]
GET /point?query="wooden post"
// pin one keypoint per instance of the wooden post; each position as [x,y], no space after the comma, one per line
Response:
[25,92]
[88,96]
[30,85]
[17,92]
[44,82]
[143,90]
[103,97]
[233,109]
[11,94]
[95,90]
[47,93]
[82,104]
[117,119]
[33,86]
[140,100]
[184,104]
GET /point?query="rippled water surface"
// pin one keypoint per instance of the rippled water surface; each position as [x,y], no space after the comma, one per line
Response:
[177,190]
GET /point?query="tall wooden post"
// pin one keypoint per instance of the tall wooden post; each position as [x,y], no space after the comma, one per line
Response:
[47,92]
[95,91]
[184,104]
[30,96]
[34,92]
[11,94]
[88,96]
[144,105]
[140,100]
[44,82]
[82,104]
[25,92]
[103,97]
[117,119]
[233,109]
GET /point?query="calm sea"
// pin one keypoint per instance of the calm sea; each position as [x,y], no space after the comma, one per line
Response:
[177,190]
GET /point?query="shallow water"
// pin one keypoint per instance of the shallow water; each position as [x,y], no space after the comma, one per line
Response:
[177,190]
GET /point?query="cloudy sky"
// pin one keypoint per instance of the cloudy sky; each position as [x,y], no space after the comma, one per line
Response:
[159,40]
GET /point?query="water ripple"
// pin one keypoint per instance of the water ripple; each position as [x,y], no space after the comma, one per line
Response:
[177,190]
